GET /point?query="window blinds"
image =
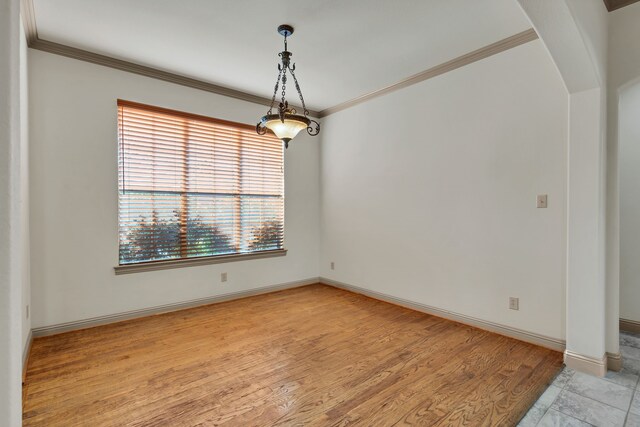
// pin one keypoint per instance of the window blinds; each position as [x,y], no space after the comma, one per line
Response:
[193,186]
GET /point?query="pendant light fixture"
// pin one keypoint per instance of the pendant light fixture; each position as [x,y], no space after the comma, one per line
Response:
[286,123]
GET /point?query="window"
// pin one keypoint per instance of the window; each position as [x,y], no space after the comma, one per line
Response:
[193,187]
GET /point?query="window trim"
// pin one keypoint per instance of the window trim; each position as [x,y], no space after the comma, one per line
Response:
[195,261]
[166,264]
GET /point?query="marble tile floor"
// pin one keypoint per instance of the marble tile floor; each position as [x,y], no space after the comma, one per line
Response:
[577,399]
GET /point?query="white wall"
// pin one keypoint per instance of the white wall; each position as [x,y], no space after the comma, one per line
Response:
[11,250]
[586,308]
[429,193]
[589,332]
[629,132]
[24,190]
[624,74]
[624,55]
[591,18]
[574,35]
[74,241]
[575,32]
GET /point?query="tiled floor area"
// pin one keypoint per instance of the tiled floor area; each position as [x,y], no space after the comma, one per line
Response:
[576,399]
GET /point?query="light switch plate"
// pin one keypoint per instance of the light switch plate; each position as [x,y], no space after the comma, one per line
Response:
[542,201]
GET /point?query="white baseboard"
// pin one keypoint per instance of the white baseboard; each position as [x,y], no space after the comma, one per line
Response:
[630,325]
[25,353]
[586,364]
[597,367]
[113,318]
[530,337]
[614,361]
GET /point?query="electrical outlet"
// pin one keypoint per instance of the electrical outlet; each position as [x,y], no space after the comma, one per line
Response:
[514,303]
[333,265]
[27,311]
[541,201]
[223,277]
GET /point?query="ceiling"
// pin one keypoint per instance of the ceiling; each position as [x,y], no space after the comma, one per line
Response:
[343,49]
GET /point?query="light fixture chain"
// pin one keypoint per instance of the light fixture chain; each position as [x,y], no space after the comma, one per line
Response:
[275,92]
[284,84]
[304,107]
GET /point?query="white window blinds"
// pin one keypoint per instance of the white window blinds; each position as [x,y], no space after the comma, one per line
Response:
[193,186]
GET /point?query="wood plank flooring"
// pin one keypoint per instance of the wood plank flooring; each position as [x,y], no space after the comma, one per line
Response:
[315,356]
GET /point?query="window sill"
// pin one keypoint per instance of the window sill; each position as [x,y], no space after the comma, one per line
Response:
[191,262]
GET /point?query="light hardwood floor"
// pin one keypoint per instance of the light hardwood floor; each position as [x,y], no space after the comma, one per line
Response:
[314,356]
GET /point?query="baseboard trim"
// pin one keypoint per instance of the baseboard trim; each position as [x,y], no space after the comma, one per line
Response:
[530,337]
[614,361]
[586,364]
[114,318]
[630,326]
[541,340]
[26,352]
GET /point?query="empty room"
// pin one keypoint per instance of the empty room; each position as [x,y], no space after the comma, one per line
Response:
[319,213]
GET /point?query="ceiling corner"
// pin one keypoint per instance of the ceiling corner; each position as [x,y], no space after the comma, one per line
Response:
[29,21]
[617,4]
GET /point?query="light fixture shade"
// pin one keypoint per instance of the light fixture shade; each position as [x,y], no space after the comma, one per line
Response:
[288,128]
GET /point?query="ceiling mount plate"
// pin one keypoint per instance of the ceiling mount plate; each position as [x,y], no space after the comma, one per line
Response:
[285,30]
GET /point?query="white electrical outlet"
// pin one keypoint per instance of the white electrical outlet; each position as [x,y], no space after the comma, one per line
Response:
[541,201]
[27,311]
[514,303]
[223,277]
[333,265]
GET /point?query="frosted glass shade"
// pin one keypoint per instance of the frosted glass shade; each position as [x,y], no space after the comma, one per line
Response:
[287,129]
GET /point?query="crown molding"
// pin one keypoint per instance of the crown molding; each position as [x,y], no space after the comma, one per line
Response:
[35,42]
[131,67]
[461,61]
[618,4]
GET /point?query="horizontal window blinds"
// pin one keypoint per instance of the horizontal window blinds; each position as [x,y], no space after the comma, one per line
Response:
[193,186]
